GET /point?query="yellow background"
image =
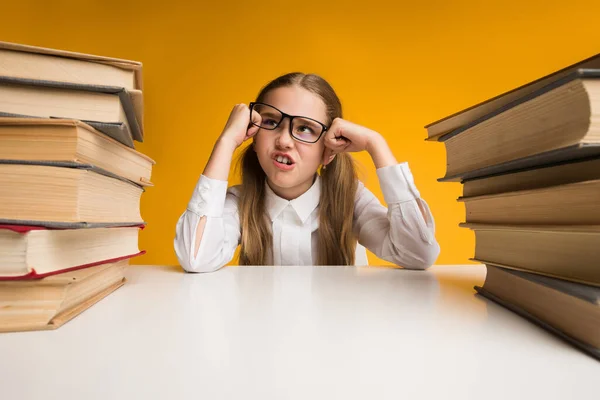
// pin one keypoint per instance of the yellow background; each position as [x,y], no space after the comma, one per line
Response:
[396,66]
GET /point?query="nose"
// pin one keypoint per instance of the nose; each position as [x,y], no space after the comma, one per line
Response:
[284,139]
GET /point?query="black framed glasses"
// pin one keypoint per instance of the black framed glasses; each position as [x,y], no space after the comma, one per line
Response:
[304,129]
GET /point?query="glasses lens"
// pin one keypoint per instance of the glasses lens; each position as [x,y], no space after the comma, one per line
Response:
[269,115]
[306,129]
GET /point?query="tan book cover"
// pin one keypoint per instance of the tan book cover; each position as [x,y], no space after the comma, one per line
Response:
[40,140]
[568,204]
[563,117]
[566,252]
[50,302]
[535,178]
[39,63]
[569,310]
[41,194]
[437,129]
[32,252]
[111,112]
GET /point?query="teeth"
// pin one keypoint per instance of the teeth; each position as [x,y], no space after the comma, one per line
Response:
[284,160]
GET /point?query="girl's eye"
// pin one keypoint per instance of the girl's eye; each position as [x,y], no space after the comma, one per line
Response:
[268,122]
[306,130]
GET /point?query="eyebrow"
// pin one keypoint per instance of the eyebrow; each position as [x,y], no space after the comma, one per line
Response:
[298,115]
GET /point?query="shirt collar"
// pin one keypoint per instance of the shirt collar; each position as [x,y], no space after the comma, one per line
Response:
[303,205]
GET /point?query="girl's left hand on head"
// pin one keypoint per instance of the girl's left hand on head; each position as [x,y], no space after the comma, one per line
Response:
[345,136]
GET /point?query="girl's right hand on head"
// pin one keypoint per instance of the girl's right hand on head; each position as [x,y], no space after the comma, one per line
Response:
[238,127]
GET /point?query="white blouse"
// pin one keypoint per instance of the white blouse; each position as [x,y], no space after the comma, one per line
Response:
[400,234]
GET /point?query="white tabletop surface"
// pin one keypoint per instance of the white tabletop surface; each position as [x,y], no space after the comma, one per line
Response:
[295,333]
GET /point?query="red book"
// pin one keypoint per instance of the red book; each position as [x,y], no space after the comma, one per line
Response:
[31,252]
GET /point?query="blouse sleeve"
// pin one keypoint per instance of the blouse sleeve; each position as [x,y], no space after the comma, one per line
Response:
[403,233]
[221,234]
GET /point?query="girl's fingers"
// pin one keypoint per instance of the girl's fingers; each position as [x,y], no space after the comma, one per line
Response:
[339,147]
[334,146]
[336,143]
[251,132]
[252,129]
[330,138]
[256,118]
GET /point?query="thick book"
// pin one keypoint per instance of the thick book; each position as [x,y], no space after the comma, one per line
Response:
[33,252]
[108,109]
[436,130]
[535,177]
[574,152]
[569,204]
[40,194]
[568,310]
[44,64]
[70,142]
[558,123]
[51,302]
[567,252]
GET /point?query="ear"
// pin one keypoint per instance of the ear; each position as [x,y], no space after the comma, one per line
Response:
[327,157]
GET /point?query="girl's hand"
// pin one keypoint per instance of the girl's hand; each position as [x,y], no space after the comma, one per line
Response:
[238,128]
[345,136]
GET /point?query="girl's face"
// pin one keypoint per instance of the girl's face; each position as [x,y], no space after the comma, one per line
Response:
[291,181]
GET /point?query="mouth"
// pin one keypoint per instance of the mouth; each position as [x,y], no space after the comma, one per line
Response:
[283,162]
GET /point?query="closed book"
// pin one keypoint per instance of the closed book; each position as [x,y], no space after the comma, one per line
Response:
[45,64]
[56,141]
[439,129]
[569,204]
[535,177]
[568,310]
[33,252]
[51,302]
[59,67]
[66,195]
[561,122]
[566,252]
[108,109]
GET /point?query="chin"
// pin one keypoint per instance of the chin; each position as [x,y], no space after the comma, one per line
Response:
[282,181]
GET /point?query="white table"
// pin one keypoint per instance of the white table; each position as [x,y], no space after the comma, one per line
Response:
[295,333]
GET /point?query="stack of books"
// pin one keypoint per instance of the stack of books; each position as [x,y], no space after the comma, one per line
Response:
[529,162]
[70,181]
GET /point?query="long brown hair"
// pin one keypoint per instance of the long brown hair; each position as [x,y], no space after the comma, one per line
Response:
[336,241]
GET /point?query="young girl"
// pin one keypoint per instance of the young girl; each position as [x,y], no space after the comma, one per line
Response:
[300,202]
